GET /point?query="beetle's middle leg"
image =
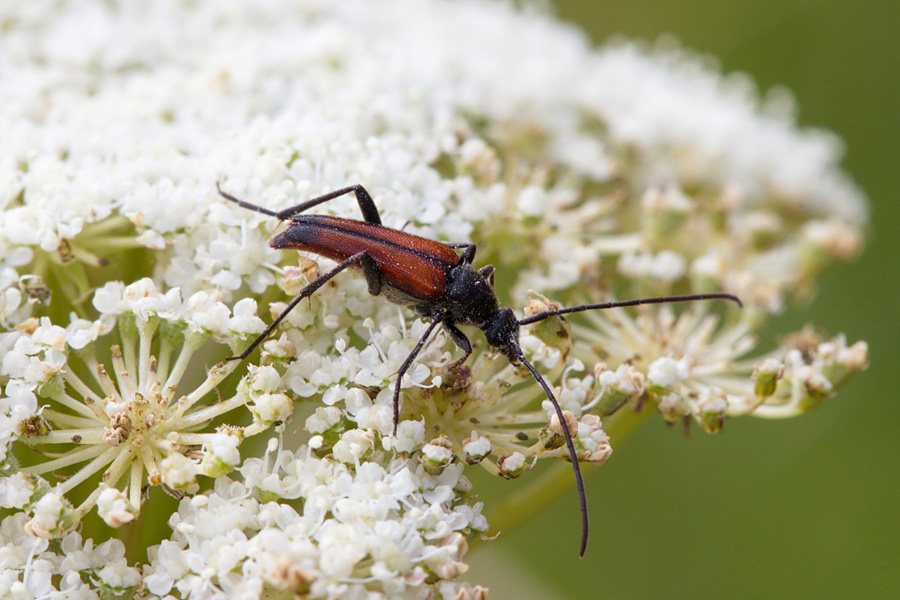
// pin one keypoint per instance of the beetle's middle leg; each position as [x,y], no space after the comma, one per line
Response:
[369,268]
[436,319]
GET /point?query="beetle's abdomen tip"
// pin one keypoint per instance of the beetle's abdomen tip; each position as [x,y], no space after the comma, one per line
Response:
[281,241]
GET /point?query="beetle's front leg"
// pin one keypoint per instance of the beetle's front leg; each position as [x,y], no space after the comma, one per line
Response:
[460,339]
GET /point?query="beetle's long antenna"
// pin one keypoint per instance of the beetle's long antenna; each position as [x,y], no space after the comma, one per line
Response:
[247,205]
[617,304]
[579,481]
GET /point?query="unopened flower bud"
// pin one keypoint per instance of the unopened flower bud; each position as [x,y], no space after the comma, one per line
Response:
[476,448]
[767,375]
[512,466]
[437,455]
[114,508]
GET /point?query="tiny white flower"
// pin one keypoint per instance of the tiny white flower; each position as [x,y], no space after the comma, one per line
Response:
[513,465]
[178,471]
[476,448]
[665,372]
[323,419]
[272,408]
[50,515]
[221,454]
[16,491]
[353,445]
[410,434]
[114,508]
[437,455]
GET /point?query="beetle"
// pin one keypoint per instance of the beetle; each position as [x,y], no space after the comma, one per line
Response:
[436,279]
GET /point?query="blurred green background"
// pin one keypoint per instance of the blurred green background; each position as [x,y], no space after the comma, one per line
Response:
[803,508]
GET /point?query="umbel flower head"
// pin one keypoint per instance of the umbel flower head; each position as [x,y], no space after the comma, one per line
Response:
[125,280]
[130,424]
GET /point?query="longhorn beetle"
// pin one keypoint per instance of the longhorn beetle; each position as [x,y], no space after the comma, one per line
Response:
[439,282]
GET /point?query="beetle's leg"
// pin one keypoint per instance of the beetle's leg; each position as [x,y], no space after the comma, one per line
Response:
[372,274]
[488,273]
[468,254]
[366,204]
[437,318]
[360,257]
[460,339]
[252,207]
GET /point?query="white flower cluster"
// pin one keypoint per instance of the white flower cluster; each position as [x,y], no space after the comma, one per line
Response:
[392,529]
[70,567]
[624,170]
[130,426]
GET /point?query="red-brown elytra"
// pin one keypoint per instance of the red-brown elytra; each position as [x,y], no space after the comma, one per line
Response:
[432,277]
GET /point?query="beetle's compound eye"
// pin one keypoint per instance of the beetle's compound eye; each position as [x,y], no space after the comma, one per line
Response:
[502,332]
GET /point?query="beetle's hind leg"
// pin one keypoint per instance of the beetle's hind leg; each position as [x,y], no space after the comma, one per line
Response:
[244,204]
[366,204]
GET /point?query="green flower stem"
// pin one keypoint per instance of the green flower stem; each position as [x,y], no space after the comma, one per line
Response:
[532,498]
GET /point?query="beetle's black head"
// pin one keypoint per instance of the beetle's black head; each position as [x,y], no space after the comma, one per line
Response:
[502,332]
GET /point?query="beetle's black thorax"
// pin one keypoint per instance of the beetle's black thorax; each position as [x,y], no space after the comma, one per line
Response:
[468,298]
